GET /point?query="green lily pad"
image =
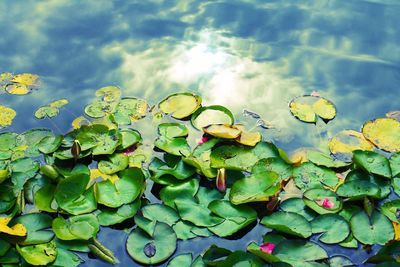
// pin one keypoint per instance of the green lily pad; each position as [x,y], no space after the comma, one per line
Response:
[233,157]
[99,138]
[322,159]
[383,133]
[221,257]
[41,254]
[172,139]
[288,222]
[123,191]
[84,204]
[372,162]
[215,114]
[277,165]
[391,210]
[199,215]
[109,93]
[129,137]
[46,111]
[180,105]
[81,227]
[161,172]
[181,260]
[117,162]
[340,261]
[376,229]
[256,187]
[109,216]
[322,201]
[183,190]
[44,198]
[99,109]
[345,142]
[36,225]
[309,175]
[31,139]
[236,217]
[49,144]
[334,227]
[296,205]
[66,258]
[130,110]
[308,108]
[160,213]
[153,249]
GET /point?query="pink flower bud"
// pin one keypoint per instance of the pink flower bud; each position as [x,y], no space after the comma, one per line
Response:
[202,140]
[326,203]
[267,247]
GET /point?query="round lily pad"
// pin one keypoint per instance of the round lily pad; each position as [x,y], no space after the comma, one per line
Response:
[152,249]
[347,141]
[224,131]
[109,93]
[180,105]
[81,227]
[334,227]
[130,110]
[99,109]
[384,133]
[309,175]
[322,200]
[372,162]
[288,222]
[216,114]
[59,103]
[308,108]
[46,111]
[7,115]
[38,255]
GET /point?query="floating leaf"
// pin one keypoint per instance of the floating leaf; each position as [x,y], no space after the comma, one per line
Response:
[181,260]
[161,213]
[108,216]
[59,103]
[180,105]
[81,227]
[296,205]
[37,255]
[288,222]
[164,174]
[79,121]
[153,249]
[391,210]
[372,162]
[172,139]
[7,115]
[317,198]
[334,227]
[347,141]
[109,93]
[99,139]
[395,164]
[130,110]
[36,225]
[117,162]
[216,114]
[15,230]
[309,175]
[247,138]
[201,160]
[384,133]
[224,131]
[99,109]
[307,108]
[376,229]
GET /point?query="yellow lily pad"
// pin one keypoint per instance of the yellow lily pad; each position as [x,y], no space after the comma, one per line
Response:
[308,108]
[247,138]
[347,141]
[96,173]
[17,89]
[384,133]
[79,121]
[59,103]
[5,77]
[16,230]
[180,105]
[222,131]
[6,116]
[25,78]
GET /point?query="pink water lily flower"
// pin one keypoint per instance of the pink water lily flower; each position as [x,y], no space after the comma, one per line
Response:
[340,176]
[202,140]
[326,203]
[267,247]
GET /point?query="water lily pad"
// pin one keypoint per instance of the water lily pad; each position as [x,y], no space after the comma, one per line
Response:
[224,131]
[296,205]
[79,121]
[395,164]
[256,187]
[216,114]
[221,257]
[31,141]
[108,216]
[180,105]
[308,108]
[41,254]
[322,200]
[115,163]
[376,229]
[129,137]
[236,217]
[99,109]
[7,116]
[81,227]
[181,260]
[66,258]
[277,165]
[288,222]
[194,212]
[44,198]
[347,141]
[46,111]
[322,159]
[162,172]
[161,213]
[372,162]
[21,84]
[172,139]
[309,175]
[50,143]
[233,157]
[384,133]
[130,110]
[109,93]
[247,138]
[36,225]
[69,191]
[200,158]
[15,230]
[99,139]
[391,209]
[153,249]
[123,191]
[185,189]
[340,261]
[334,227]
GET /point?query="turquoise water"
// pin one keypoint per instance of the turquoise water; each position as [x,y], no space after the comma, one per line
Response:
[255,55]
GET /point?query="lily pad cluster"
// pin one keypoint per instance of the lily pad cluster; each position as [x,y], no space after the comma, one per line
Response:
[58,191]
[18,84]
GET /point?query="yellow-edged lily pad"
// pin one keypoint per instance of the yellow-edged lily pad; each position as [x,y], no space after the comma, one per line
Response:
[6,116]
[347,141]
[222,131]
[180,105]
[109,93]
[79,121]
[384,133]
[308,108]
[59,103]
[16,230]
[247,138]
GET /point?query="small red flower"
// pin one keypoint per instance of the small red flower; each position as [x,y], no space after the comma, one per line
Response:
[267,247]
[202,140]
[326,203]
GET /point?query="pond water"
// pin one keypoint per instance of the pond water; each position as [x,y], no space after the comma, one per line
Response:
[250,54]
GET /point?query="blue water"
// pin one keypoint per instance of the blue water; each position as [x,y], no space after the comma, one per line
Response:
[253,54]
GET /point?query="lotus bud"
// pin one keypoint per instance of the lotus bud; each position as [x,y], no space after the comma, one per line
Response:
[221,180]
[49,171]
